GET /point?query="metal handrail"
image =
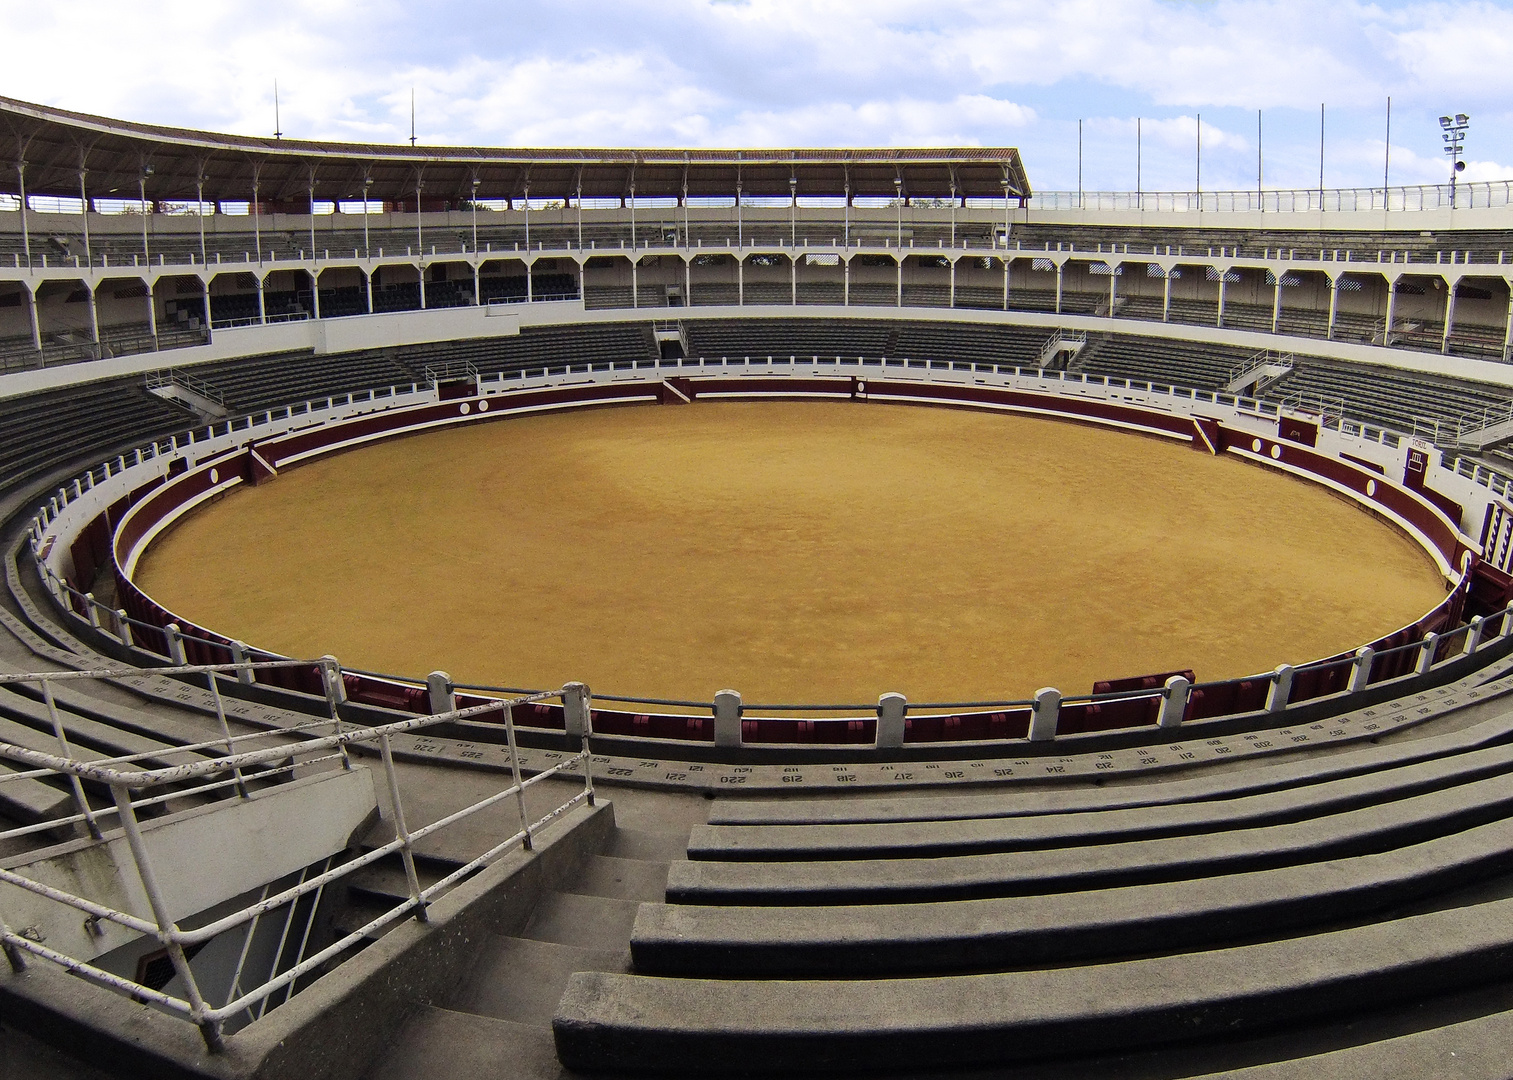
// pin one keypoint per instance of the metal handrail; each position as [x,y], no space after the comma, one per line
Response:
[122,783]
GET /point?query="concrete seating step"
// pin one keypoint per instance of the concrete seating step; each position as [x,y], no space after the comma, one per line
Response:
[928,839]
[624,1022]
[442,1042]
[997,934]
[31,801]
[103,737]
[521,979]
[1255,780]
[861,881]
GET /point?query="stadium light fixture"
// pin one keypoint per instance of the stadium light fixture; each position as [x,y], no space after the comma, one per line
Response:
[1454,136]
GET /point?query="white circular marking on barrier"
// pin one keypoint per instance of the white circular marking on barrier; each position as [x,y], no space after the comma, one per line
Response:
[1255,446]
[463,408]
[1370,488]
[215,476]
[861,387]
[1276,453]
[483,406]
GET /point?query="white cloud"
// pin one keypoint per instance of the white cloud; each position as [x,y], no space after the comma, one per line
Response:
[771,72]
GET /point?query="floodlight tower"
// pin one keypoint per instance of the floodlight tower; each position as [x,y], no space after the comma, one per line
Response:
[1454,136]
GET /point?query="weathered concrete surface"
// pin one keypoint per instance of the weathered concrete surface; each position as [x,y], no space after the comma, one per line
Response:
[201,857]
[334,1029]
[610,1022]
[973,935]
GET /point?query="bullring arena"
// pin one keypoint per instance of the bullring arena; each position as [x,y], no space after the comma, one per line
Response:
[828,612]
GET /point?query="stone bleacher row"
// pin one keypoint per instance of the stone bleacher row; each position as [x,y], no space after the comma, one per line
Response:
[962,932]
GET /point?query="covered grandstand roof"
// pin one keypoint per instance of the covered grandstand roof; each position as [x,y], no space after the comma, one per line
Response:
[54,144]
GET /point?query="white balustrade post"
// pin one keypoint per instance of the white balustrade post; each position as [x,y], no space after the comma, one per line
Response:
[891,712]
[1043,716]
[123,627]
[1174,700]
[175,638]
[92,609]
[239,656]
[443,697]
[1426,653]
[1473,634]
[1360,670]
[1281,688]
[727,718]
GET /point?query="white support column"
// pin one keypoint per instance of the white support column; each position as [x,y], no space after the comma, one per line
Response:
[315,292]
[635,278]
[36,318]
[1223,291]
[740,279]
[368,280]
[477,288]
[1166,295]
[1392,311]
[1060,267]
[1334,304]
[898,270]
[262,303]
[687,272]
[420,269]
[793,274]
[152,311]
[94,316]
[530,285]
[1451,290]
[26,236]
[846,280]
[1113,290]
[953,269]
[1507,333]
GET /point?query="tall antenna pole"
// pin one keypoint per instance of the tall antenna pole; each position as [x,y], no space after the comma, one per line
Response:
[412,116]
[1321,155]
[1139,202]
[1079,164]
[1387,160]
[1200,161]
[277,126]
[1260,166]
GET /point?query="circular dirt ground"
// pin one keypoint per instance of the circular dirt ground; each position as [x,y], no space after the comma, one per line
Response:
[795,551]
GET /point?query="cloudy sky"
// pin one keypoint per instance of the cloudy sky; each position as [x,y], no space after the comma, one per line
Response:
[814,73]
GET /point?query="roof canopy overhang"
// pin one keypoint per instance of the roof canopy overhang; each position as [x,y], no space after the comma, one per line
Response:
[181,164]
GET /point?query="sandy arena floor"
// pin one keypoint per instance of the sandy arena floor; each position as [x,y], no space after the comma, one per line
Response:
[795,551]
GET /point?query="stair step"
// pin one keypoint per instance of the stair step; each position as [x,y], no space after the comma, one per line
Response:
[443,1043]
[620,879]
[522,979]
[587,922]
[647,845]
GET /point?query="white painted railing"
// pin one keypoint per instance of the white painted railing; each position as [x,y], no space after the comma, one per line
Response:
[237,769]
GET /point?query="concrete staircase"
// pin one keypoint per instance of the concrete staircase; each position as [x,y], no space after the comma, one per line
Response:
[498,1022]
